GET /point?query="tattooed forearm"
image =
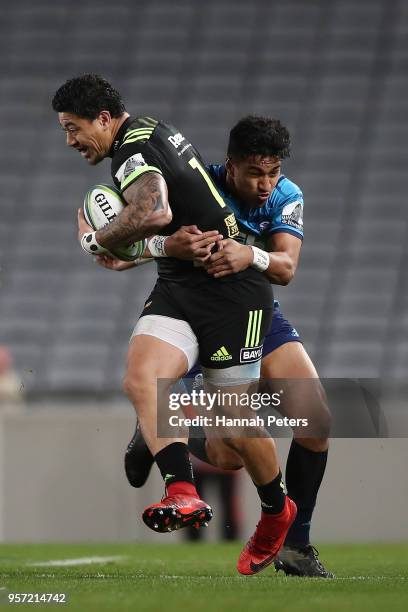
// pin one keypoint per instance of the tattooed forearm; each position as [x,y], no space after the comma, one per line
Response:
[146,213]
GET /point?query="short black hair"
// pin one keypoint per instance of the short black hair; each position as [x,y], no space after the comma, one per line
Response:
[86,96]
[254,135]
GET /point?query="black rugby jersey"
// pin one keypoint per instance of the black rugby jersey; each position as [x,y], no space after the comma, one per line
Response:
[143,145]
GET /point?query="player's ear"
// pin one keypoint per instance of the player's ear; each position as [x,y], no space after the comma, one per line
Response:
[104,119]
[229,167]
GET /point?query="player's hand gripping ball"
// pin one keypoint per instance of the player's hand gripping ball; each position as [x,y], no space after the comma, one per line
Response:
[102,204]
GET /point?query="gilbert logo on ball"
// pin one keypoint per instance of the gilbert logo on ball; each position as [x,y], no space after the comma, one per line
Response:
[102,204]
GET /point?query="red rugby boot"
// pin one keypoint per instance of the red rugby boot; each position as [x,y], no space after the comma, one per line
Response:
[270,533]
[177,511]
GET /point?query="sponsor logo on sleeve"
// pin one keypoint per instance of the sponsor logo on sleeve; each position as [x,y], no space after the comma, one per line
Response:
[130,166]
[292,214]
[232,226]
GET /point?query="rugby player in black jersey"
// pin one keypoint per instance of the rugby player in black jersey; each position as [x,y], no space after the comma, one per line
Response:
[189,314]
[240,180]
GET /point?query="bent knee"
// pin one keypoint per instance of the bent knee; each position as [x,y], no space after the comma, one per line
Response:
[137,384]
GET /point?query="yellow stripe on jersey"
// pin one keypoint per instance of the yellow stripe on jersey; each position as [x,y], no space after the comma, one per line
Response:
[132,133]
[136,138]
[141,129]
[138,130]
[139,134]
[140,170]
[148,121]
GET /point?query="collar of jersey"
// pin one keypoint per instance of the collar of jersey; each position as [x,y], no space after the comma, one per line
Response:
[119,136]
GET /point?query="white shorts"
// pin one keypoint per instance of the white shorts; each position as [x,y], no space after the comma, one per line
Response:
[176,332]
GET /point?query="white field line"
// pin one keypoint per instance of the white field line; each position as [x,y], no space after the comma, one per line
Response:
[79,561]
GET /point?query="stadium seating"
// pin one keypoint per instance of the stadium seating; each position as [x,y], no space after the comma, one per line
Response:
[334,72]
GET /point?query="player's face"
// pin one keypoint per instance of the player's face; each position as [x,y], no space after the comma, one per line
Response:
[254,178]
[90,137]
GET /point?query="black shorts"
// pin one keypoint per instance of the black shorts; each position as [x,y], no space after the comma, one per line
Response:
[230,319]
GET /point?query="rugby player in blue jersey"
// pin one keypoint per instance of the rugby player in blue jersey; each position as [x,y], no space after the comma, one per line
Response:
[269,210]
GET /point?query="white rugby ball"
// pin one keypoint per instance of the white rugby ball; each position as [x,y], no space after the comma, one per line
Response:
[102,204]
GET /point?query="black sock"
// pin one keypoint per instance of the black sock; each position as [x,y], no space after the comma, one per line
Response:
[304,474]
[174,463]
[272,495]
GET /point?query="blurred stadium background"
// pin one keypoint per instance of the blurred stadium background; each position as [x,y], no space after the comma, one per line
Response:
[336,74]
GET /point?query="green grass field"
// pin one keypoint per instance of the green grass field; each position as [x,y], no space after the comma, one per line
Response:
[191,577]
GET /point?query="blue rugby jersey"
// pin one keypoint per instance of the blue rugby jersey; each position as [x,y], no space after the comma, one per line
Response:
[282,212]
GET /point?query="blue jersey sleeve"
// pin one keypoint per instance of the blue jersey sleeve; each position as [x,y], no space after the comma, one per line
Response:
[287,209]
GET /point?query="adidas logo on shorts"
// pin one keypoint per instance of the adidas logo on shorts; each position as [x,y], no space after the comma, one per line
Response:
[221,355]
